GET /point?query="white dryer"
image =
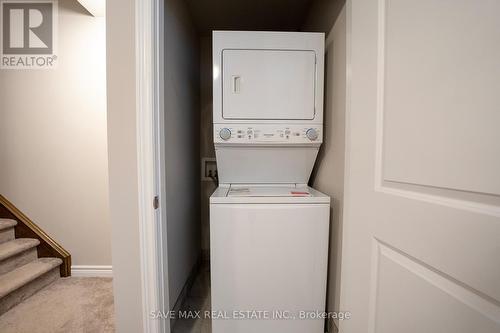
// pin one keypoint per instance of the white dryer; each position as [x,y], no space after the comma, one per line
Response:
[268,229]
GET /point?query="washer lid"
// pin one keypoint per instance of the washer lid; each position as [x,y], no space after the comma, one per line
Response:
[267,191]
[268,194]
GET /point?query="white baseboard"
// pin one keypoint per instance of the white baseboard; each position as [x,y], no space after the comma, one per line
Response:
[92,271]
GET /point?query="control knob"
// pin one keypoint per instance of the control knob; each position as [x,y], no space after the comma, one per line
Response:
[225,134]
[312,134]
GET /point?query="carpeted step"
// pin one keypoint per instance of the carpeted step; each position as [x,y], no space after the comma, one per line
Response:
[24,281]
[7,230]
[16,253]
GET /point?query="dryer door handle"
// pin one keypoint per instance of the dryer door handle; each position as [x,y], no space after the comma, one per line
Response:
[236,81]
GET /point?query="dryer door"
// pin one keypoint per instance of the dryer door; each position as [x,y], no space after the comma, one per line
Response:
[268,84]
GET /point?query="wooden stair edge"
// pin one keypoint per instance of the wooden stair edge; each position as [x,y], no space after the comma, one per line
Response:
[26,228]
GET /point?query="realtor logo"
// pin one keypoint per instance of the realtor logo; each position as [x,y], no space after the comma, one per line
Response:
[28,33]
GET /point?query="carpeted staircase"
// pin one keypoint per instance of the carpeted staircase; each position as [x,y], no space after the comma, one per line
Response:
[22,273]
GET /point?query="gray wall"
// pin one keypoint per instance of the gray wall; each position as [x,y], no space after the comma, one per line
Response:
[328,175]
[206,140]
[53,146]
[321,17]
[182,142]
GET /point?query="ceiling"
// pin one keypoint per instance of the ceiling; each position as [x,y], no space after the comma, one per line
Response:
[283,15]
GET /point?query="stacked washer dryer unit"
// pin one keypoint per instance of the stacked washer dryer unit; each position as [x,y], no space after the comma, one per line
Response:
[268,229]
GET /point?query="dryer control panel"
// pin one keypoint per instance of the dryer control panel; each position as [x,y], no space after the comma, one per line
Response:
[266,134]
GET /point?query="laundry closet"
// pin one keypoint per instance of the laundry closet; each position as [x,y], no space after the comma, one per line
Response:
[193,170]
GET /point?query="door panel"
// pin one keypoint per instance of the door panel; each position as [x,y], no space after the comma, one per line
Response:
[268,84]
[436,133]
[405,284]
[421,242]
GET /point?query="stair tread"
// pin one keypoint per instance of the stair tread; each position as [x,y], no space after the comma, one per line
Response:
[23,275]
[7,223]
[15,246]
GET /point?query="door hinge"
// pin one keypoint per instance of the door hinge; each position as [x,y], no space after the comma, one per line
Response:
[156,202]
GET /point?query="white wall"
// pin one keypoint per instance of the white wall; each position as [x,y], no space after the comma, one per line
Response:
[181,145]
[328,176]
[122,152]
[53,155]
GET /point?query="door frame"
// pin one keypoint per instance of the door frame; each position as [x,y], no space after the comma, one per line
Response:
[149,22]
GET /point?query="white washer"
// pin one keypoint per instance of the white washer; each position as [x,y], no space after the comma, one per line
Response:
[268,230]
[268,255]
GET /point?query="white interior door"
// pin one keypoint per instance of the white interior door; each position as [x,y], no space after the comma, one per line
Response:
[421,244]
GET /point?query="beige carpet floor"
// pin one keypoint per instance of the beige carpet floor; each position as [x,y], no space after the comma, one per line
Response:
[69,305]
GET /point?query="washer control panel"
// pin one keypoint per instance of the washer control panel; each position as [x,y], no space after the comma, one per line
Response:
[267,134]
